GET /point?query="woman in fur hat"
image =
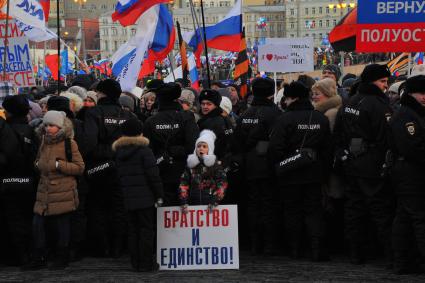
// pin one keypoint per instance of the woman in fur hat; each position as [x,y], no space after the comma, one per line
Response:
[204,181]
[326,99]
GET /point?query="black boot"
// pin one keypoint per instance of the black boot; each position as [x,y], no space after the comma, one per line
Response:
[37,262]
[318,252]
[356,254]
[61,260]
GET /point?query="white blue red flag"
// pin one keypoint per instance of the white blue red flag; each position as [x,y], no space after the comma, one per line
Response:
[30,12]
[127,12]
[419,58]
[225,35]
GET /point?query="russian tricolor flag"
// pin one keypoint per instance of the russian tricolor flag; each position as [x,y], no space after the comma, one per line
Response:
[127,12]
[156,32]
[419,58]
[225,35]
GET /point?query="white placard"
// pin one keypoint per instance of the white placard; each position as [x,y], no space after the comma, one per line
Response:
[199,239]
[297,54]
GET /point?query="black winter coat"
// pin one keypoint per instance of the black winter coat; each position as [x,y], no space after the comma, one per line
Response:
[288,135]
[22,164]
[8,145]
[138,173]
[172,134]
[364,116]
[102,128]
[407,141]
[222,128]
[254,126]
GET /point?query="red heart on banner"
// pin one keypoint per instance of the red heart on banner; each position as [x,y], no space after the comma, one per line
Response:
[269,57]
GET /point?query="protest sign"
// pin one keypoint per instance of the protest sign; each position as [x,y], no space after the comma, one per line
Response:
[390,26]
[19,69]
[199,239]
[286,55]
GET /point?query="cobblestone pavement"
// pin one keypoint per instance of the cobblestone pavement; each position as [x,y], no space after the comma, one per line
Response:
[273,269]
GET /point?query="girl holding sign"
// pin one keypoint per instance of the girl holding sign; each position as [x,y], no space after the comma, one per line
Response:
[204,181]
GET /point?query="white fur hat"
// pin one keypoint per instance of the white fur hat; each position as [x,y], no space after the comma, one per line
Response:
[226,104]
[137,92]
[209,138]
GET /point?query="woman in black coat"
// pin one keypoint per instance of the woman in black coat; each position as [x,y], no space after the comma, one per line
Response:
[142,190]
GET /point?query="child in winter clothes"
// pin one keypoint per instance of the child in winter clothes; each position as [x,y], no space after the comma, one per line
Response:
[204,181]
[142,189]
[57,193]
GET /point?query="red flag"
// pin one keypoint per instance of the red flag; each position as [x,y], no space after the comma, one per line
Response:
[52,62]
[46,8]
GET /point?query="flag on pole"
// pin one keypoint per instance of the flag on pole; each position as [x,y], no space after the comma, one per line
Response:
[127,61]
[183,55]
[225,35]
[30,12]
[398,63]
[127,12]
[419,58]
[52,62]
[241,68]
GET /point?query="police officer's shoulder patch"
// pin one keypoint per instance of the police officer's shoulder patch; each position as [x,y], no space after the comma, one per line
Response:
[411,128]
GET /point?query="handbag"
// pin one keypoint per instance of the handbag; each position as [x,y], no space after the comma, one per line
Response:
[302,157]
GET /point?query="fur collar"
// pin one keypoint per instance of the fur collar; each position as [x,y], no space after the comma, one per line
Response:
[126,141]
[193,160]
[332,102]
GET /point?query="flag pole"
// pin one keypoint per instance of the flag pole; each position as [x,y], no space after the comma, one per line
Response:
[171,66]
[409,65]
[195,21]
[205,44]
[59,44]
[6,39]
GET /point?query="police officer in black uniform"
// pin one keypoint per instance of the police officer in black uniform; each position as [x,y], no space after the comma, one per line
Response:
[251,138]
[408,148]
[361,132]
[300,148]
[172,134]
[212,119]
[105,200]
[18,180]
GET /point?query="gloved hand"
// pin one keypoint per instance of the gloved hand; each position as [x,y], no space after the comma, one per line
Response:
[184,208]
[159,202]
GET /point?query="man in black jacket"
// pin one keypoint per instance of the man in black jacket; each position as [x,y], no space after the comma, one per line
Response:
[18,180]
[302,134]
[408,147]
[361,139]
[251,139]
[105,201]
[211,119]
[172,134]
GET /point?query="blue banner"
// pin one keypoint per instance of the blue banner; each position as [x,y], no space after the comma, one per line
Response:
[391,11]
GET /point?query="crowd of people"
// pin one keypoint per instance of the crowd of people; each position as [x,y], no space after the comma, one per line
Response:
[318,168]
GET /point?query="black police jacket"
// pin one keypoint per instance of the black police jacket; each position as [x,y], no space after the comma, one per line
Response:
[222,128]
[252,132]
[24,155]
[102,128]
[301,122]
[407,142]
[172,134]
[8,145]
[365,116]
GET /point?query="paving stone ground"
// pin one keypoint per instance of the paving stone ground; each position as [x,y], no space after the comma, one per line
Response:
[272,269]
